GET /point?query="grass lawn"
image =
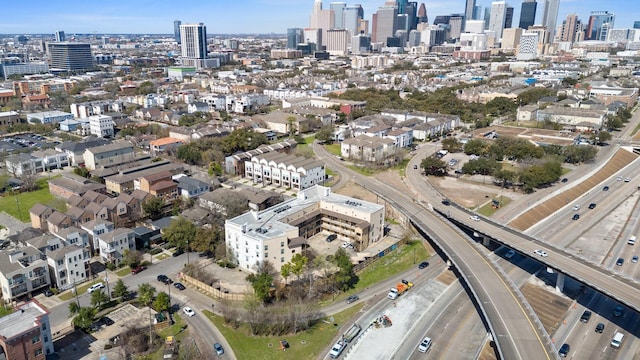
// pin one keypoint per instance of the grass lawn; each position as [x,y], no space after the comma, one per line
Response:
[25,201]
[362,170]
[635,130]
[68,295]
[308,344]
[124,271]
[329,172]
[333,148]
[488,210]
[162,256]
[5,310]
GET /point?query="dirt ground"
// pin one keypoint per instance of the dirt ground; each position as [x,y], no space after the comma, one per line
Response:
[544,135]
[547,305]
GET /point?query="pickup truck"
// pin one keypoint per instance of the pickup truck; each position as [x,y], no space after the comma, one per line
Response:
[337,349]
[400,289]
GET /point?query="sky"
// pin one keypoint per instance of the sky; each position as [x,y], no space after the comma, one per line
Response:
[233,17]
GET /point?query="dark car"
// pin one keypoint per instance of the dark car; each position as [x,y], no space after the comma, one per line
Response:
[352,298]
[564,180]
[617,312]
[179,286]
[600,328]
[284,344]
[164,279]
[95,326]
[606,188]
[620,262]
[423,265]
[48,293]
[138,269]
[585,316]
[107,321]
[564,350]
[178,252]
[331,237]
[446,202]
[592,206]
[576,216]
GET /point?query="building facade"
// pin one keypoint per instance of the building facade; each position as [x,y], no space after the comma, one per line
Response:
[25,334]
[70,56]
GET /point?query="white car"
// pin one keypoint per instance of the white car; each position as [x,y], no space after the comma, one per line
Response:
[95,287]
[474,217]
[541,253]
[575,207]
[346,245]
[424,345]
[188,311]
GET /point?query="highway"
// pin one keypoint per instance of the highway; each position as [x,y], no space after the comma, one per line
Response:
[516,331]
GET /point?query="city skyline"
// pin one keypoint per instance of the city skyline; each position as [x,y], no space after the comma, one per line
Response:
[253,16]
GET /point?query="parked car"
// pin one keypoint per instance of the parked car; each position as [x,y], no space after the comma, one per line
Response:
[511,253]
[138,269]
[634,259]
[188,311]
[95,287]
[48,293]
[107,321]
[415,167]
[178,252]
[164,279]
[179,286]
[564,180]
[218,348]
[620,262]
[541,253]
[423,265]
[331,237]
[575,207]
[352,298]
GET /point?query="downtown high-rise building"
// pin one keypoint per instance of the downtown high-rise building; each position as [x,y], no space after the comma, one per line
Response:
[572,29]
[469,8]
[60,37]
[352,19]
[384,21]
[422,14]
[193,43]
[323,19]
[70,56]
[338,14]
[295,36]
[498,17]
[600,22]
[636,24]
[550,17]
[528,14]
[176,30]
[508,18]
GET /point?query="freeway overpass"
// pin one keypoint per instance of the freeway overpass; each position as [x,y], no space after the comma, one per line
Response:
[517,332]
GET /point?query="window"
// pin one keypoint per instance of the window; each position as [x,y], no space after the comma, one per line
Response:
[282,259]
[266,247]
[35,339]
[38,352]
[266,255]
[282,244]
[281,251]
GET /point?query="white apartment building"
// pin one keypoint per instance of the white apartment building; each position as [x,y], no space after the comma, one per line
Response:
[337,42]
[111,245]
[279,232]
[284,170]
[70,265]
[528,47]
[101,125]
[21,272]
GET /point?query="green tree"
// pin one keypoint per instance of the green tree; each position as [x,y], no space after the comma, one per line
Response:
[189,153]
[345,276]
[299,264]
[146,292]
[98,298]
[501,106]
[206,239]
[132,257]
[162,302]
[452,144]
[146,87]
[84,318]
[74,308]
[285,271]
[262,281]
[325,134]
[180,232]
[533,95]
[120,290]
[476,147]
[575,154]
[602,136]
[153,207]
[82,171]
[433,166]
[481,166]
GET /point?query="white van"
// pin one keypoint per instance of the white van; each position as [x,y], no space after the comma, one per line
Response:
[617,339]
[632,240]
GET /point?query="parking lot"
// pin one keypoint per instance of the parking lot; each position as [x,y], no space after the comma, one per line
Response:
[25,142]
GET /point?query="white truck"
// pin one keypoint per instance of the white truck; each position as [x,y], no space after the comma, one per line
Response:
[337,349]
[632,240]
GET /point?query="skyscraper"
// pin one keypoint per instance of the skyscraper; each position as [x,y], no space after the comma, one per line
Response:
[384,22]
[338,13]
[508,19]
[60,36]
[193,41]
[528,13]
[636,24]
[422,14]
[600,22]
[468,11]
[176,30]
[295,36]
[570,28]
[353,16]
[550,17]
[70,56]
[498,17]
[323,19]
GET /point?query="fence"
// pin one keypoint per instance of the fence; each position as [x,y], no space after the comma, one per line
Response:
[362,265]
[210,290]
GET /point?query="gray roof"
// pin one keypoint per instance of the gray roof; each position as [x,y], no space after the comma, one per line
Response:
[189,183]
[121,145]
[59,253]
[19,322]
[79,147]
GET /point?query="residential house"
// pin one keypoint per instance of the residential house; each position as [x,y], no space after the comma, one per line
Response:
[527,112]
[164,144]
[74,236]
[39,214]
[144,237]
[75,150]
[69,185]
[52,159]
[235,164]
[58,221]
[24,164]
[285,170]
[284,123]
[112,245]
[26,332]
[96,228]
[94,196]
[111,154]
[70,266]
[402,137]
[22,272]
[124,180]
[218,200]
[367,148]
[198,107]
[190,188]
[116,209]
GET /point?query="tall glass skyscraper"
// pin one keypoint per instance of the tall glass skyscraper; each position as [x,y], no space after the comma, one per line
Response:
[528,14]
[550,17]
[295,36]
[193,41]
[600,22]
[469,9]
[338,11]
[176,30]
[636,24]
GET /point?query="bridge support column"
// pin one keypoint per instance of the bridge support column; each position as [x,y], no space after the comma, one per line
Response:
[560,282]
[486,241]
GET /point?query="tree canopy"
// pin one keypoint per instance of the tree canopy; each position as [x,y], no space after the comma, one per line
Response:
[180,232]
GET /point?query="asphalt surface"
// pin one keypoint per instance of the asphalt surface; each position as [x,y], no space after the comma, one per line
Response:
[514,326]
